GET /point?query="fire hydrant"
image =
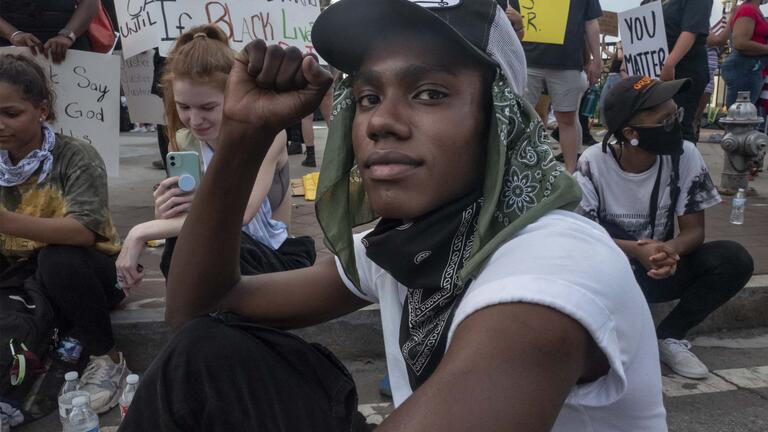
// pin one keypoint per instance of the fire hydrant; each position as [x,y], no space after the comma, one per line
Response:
[741,143]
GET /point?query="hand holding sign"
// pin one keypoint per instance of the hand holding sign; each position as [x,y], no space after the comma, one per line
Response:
[271,87]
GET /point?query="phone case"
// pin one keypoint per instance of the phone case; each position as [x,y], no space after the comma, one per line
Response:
[184,163]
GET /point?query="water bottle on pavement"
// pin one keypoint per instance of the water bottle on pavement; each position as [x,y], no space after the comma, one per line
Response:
[737,207]
[132,383]
[82,418]
[69,391]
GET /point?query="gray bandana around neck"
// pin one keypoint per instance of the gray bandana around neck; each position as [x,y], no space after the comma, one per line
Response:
[14,175]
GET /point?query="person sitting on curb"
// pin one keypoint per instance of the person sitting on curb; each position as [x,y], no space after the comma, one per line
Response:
[635,190]
[194,79]
[55,224]
[489,323]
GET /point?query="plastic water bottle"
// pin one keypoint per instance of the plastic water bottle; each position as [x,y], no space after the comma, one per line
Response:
[82,418]
[590,102]
[69,391]
[132,383]
[737,207]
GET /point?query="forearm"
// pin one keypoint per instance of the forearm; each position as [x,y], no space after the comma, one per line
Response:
[205,264]
[6,29]
[629,247]
[158,229]
[59,231]
[687,240]
[592,38]
[81,19]
[681,48]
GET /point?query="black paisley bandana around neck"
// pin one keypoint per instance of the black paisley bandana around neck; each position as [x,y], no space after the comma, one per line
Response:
[522,183]
[426,256]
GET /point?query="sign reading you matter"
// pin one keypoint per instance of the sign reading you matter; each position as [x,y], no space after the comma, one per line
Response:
[644,39]
[87,99]
[146,24]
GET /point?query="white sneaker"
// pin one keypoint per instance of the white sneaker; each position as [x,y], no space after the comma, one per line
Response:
[677,355]
[103,380]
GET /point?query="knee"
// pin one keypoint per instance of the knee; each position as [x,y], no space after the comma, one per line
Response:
[60,260]
[566,119]
[207,342]
[734,258]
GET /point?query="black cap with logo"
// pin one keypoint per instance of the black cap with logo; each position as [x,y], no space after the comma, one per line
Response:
[634,94]
[345,30]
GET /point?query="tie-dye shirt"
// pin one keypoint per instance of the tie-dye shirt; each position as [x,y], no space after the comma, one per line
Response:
[76,187]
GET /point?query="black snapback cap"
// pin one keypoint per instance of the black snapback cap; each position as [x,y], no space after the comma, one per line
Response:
[634,94]
[345,30]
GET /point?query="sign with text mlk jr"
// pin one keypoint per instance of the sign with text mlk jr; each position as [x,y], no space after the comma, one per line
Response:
[644,39]
[545,21]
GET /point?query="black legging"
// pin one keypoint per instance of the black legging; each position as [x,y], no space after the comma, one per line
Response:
[257,258]
[80,283]
[705,279]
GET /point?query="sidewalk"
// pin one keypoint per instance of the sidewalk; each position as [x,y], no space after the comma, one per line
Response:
[356,339]
[131,198]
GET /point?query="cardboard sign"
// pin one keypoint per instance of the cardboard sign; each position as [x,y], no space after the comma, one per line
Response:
[87,99]
[136,79]
[609,23]
[644,39]
[545,21]
[146,24]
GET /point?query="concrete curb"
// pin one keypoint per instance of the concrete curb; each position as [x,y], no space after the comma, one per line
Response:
[142,333]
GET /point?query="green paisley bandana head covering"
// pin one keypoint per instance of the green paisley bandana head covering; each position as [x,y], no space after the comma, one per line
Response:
[522,180]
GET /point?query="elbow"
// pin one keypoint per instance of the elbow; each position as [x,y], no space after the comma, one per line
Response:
[86,239]
[175,318]
[739,44]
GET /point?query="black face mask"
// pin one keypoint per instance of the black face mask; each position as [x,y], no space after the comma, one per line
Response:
[658,140]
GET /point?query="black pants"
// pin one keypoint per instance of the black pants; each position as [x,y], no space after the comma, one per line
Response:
[705,279]
[694,65]
[80,283]
[257,258]
[162,143]
[224,374]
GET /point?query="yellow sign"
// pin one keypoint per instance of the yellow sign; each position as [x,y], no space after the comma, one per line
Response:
[545,20]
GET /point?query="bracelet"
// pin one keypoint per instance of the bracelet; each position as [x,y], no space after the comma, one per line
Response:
[14,34]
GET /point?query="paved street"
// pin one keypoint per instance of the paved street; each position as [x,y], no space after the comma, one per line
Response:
[734,399]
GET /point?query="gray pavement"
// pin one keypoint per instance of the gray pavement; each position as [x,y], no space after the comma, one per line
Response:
[737,401]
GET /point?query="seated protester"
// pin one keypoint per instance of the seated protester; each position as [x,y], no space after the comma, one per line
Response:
[55,224]
[634,191]
[472,261]
[194,79]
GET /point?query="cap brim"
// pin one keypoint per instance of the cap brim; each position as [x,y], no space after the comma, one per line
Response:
[662,91]
[345,30]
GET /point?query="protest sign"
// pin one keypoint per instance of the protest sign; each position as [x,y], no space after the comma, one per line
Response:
[644,39]
[139,25]
[545,20]
[609,23]
[136,79]
[87,99]
[145,24]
